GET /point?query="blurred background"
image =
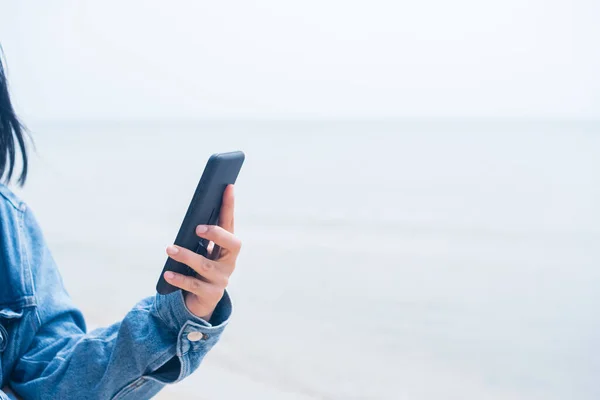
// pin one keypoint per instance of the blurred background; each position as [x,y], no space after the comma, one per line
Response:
[420,204]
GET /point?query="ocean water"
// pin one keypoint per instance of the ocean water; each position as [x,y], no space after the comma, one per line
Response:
[382,260]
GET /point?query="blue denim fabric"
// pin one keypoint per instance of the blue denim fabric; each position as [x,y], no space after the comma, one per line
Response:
[45,352]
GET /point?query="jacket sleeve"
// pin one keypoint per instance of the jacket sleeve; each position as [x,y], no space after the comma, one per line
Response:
[158,342]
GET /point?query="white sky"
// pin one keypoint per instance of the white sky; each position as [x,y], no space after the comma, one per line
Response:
[308,58]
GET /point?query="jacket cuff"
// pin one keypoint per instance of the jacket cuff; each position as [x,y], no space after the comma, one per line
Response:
[172,310]
[195,336]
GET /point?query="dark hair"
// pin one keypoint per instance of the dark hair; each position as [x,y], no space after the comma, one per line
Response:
[12,134]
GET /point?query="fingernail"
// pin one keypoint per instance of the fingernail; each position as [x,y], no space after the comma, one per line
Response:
[172,250]
[202,229]
[169,275]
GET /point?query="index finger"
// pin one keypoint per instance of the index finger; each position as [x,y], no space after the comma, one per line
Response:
[226,217]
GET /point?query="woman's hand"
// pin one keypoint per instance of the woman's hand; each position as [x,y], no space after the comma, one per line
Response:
[205,292]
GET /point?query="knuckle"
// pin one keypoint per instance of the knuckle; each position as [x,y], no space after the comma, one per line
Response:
[185,256]
[195,285]
[206,265]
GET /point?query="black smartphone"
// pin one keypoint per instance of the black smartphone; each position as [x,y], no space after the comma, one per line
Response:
[221,170]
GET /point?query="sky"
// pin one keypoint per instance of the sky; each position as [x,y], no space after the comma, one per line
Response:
[302,59]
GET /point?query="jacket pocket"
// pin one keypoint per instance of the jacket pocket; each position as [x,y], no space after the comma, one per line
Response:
[7,317]
[9,313]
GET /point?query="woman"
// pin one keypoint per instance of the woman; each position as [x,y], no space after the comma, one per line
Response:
[44,348]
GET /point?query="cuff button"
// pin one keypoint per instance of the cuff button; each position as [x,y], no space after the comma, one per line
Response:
[195,336]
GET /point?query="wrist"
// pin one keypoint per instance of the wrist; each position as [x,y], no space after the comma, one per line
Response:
[198,309]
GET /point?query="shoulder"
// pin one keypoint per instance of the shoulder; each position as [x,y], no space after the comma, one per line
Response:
[17,223]
[9,199]
[16,285]
[12,212]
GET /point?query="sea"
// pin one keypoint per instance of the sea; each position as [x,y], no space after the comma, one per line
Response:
[411,259]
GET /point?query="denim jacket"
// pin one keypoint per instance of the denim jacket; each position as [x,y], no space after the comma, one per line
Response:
[45,351]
